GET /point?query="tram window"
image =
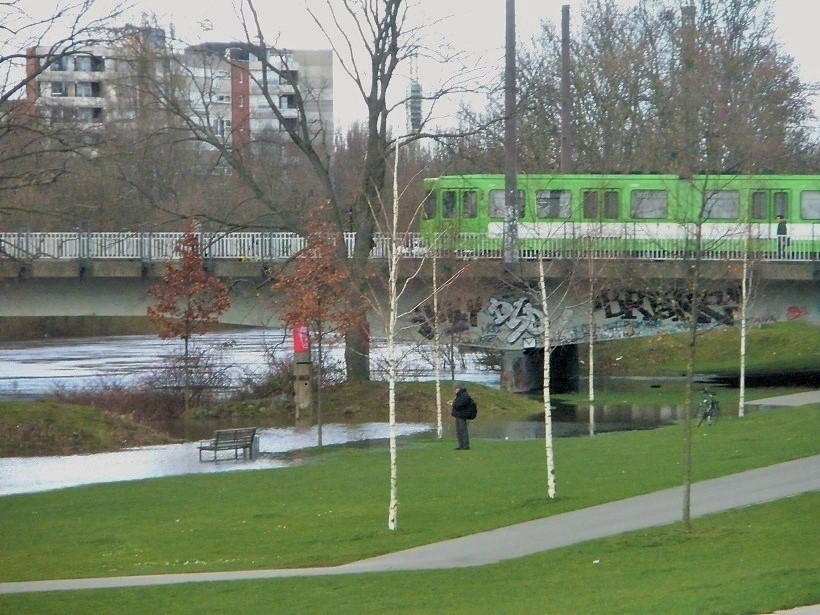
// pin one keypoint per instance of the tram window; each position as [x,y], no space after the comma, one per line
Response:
[469,204]
[591,205]
[430,205]
[810,205]
[649,204]
[448,202]
[781,204]
[722,205]
[552,203]
[759,206]
[611,205]
[498,207]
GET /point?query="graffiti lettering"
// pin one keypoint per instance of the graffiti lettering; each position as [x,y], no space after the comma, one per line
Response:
[519,317]
[676,306]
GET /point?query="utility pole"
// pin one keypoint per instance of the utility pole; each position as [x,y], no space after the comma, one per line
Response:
[510,143]
[567,155]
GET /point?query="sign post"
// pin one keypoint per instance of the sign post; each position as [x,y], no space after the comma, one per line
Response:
[302,368]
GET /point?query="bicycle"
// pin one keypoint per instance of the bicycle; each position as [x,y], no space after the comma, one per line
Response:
[709,408]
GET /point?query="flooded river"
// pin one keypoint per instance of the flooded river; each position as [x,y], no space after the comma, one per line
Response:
[30,369]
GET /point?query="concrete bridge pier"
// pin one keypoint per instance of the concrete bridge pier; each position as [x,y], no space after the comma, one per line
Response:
[522,371]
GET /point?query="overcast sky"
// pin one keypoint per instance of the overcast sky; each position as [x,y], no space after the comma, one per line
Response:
[474,26]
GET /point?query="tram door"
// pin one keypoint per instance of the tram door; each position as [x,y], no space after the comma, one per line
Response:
[766,206]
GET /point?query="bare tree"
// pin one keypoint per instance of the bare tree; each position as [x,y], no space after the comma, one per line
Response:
[630,87]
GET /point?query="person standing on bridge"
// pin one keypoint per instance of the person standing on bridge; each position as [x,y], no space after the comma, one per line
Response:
[464,409]
[782,237]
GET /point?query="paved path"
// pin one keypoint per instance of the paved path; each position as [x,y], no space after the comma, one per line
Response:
[796,399]
[654,509]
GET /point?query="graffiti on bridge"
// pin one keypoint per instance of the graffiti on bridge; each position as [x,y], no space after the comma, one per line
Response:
[520,319]
[716,308]
[517,321]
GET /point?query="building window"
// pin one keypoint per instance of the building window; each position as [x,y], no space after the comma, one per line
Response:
[62,114]
[222,127]
[722,205]
[89,64]
[649,204]
[82,63]
[90,114]
[287,101]
[88,89]
[59,65]
[223,98]
[552,203]
[58,88]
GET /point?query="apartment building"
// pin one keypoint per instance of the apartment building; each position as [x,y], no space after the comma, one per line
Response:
[224,86]
[236,90]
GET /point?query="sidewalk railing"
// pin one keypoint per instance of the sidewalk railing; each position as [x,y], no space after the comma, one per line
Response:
[273,246]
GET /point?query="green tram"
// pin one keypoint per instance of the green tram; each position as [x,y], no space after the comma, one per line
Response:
[644,216]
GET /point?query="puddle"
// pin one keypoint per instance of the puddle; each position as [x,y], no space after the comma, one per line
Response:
[35,474]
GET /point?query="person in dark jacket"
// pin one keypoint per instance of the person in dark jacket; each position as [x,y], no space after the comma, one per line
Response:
[782,237]
[464,409]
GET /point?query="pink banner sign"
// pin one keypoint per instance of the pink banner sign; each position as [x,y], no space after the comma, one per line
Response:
[301,339]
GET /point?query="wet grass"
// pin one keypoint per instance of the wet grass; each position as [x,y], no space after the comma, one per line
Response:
[333,507]
[28,430]
[754,560]
[784,347]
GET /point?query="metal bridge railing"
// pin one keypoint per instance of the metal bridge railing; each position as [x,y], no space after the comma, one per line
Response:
[568,243]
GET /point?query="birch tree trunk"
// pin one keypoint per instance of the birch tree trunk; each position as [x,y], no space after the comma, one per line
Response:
[591,357]
[591,374]
[437,343]
[547,411]
[393,256]
[741,404]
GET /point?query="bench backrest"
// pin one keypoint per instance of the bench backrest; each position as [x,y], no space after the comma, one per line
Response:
[241,434]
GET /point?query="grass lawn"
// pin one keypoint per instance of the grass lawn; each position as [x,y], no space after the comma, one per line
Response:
[332,508]
[783,347]
[754,560]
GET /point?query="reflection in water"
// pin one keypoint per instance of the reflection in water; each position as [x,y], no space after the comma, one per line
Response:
[33,474]
[569,421]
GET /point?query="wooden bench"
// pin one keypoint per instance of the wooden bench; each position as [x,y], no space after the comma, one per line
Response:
[231,439]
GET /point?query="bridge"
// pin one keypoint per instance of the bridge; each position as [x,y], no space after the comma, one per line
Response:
[605,291]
